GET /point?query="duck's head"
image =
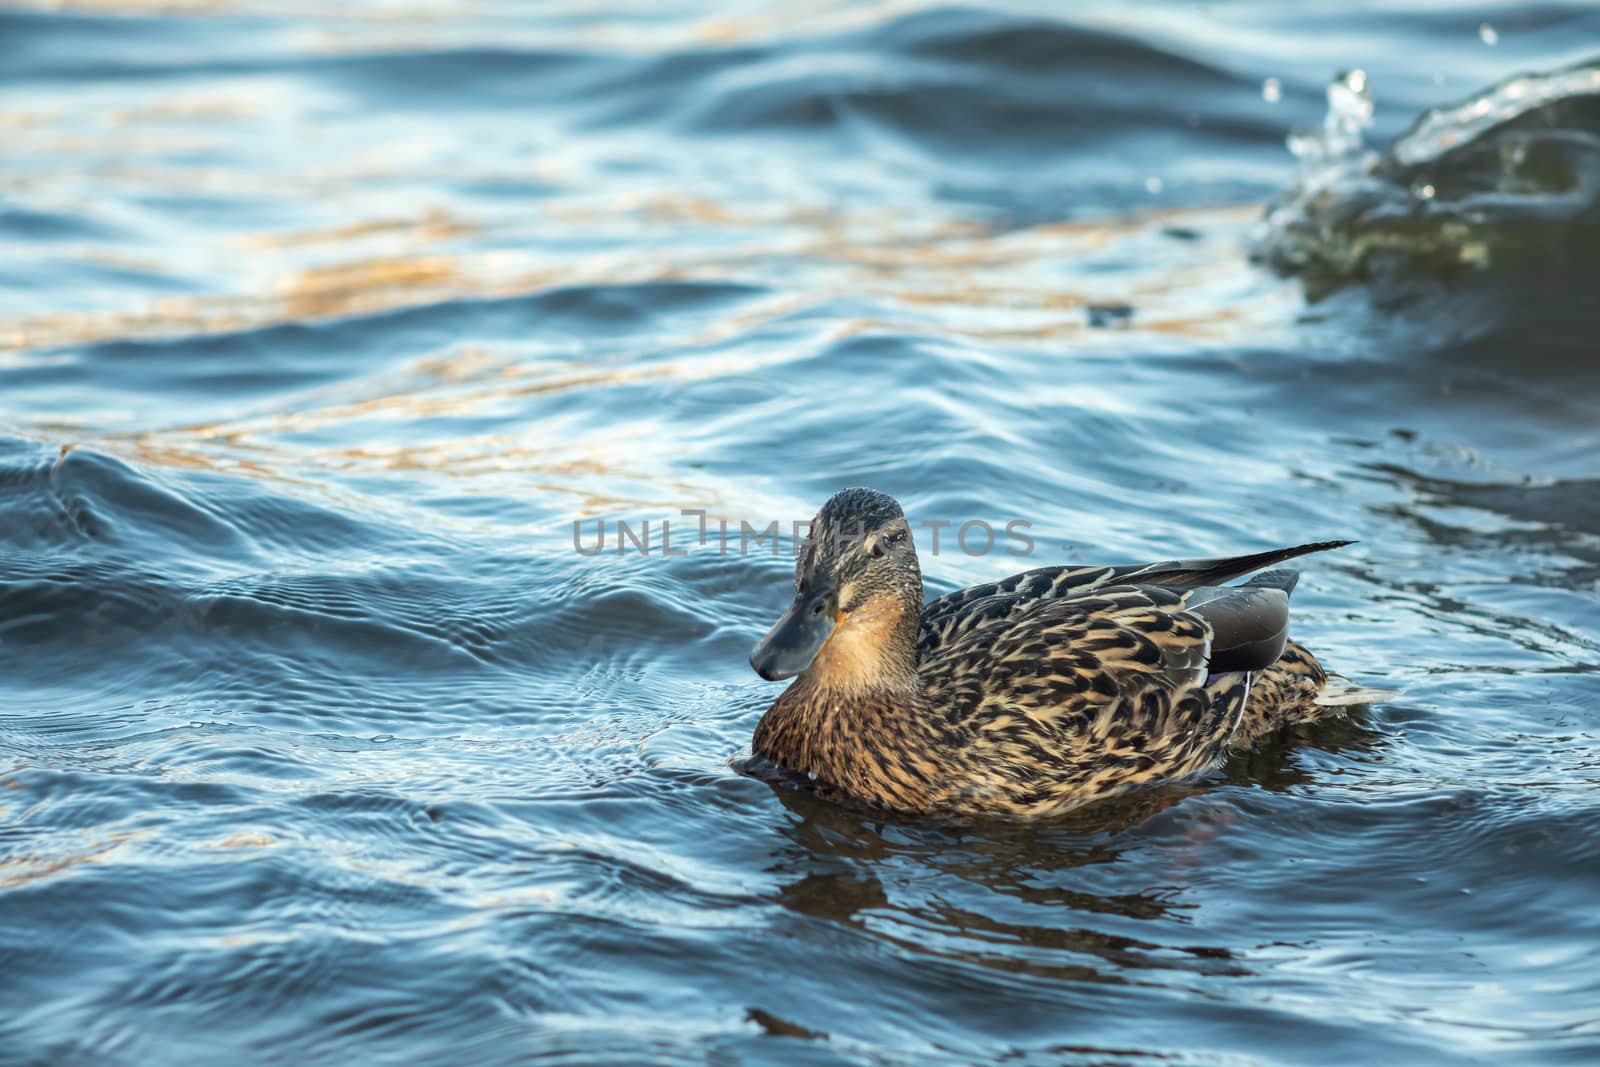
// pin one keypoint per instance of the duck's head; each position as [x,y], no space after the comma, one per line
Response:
[857,600]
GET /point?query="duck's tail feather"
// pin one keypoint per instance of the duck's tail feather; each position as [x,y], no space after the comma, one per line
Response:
[1282,578]
[1183,573]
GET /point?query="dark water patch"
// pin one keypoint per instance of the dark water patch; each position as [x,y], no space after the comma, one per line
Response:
[986,82]
[299,355]
[1570,505]
[1019,44]
[105,603]
[77,507]
[106,500]
[35,225]
[649,89]
[54,45]
[629,307]
[467,80]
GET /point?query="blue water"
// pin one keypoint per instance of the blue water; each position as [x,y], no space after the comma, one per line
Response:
[321,743]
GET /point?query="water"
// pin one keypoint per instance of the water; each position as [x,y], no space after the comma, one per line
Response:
[1498,193]
[319,743]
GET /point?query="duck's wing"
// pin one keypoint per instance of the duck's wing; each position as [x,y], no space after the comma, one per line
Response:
[949,617]
[1092,695]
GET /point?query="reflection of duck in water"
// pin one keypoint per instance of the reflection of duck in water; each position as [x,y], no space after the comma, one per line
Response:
[1029,696]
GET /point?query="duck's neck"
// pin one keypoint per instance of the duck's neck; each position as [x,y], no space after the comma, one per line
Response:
[857,704]
[872,654]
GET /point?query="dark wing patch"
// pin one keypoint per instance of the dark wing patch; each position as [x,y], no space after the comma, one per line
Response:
[1249,624]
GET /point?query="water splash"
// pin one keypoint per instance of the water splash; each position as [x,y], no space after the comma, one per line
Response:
[1326,152]
[1442,129]
[1503,181]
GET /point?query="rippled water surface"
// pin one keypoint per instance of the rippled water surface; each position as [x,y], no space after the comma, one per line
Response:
[319,743]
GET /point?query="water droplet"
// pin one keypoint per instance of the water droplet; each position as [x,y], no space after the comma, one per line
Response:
[1338,143]
[1153,185]
[1488,34]
[1272,90]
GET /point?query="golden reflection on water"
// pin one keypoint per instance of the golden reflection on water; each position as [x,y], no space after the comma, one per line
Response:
[983,286]
[954,264]
[25,868]
[318,236]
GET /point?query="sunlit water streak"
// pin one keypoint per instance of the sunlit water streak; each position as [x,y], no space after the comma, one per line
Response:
[320,742]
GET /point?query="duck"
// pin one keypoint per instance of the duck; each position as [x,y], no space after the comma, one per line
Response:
[1031,696]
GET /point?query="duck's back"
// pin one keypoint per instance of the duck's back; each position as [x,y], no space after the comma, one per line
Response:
[949,617]
[1056,702]
[1077,686]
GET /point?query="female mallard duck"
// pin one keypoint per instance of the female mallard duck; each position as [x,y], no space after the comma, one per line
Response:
[1028,696]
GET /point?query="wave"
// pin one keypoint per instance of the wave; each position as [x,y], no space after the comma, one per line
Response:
[1488,207]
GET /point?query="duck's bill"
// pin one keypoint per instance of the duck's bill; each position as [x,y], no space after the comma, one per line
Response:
[794,641]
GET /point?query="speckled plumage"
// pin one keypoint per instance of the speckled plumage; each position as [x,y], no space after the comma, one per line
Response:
[1030,696]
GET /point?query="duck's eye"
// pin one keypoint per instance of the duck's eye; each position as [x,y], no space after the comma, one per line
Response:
[882,543]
